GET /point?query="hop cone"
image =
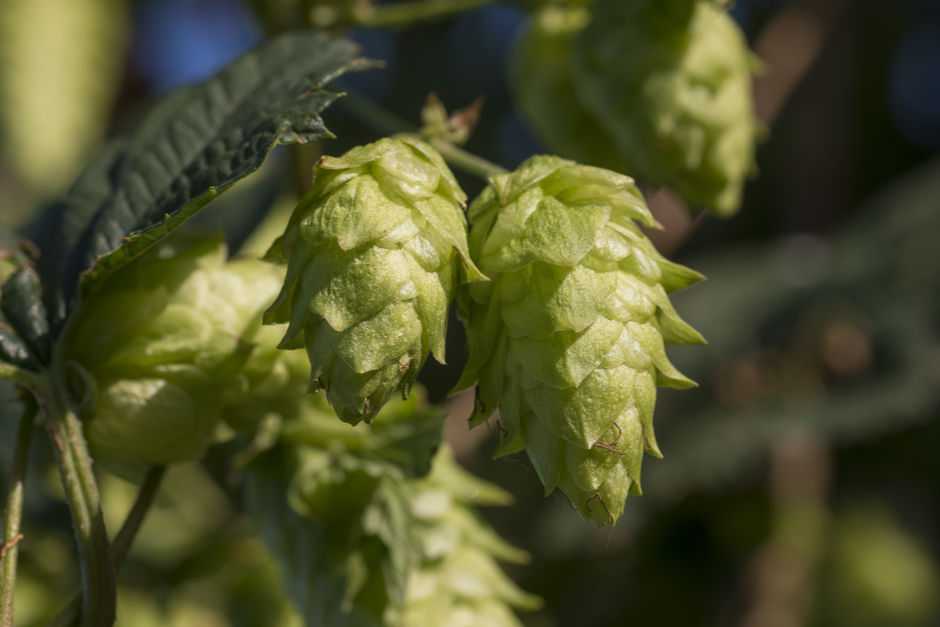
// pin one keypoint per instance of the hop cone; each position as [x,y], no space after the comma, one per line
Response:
[458,581]
[373,253]
[670,81]
[160,343]
[271,381]
[567,338]
[365,535]
[544,91]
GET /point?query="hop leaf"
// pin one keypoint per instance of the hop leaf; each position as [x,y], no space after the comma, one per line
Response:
[373,251]
[567,338]
[159,345]
[670,82]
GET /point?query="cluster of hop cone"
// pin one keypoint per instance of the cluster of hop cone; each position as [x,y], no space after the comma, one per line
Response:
[564,298]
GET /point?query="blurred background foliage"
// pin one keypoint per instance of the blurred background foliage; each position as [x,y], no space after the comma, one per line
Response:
[800,481]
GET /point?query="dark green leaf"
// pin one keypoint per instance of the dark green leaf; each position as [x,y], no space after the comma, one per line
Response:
[14,351]
[27,338]
[193,146]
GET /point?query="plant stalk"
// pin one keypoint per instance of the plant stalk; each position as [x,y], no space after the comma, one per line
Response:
[467,161]
[406,13]
[121,545]
[9,550]
[81,490]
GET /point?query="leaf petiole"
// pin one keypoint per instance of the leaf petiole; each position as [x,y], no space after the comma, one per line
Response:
[14,510]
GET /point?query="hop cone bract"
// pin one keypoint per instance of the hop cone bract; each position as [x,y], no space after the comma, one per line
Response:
[374,252]
[567,337]
[160,343]
[670,81]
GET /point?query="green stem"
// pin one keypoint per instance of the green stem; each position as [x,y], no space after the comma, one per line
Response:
[405,13]
[14,513]
[122,541]
[81,491]
[467,161]
[135,518]
[385,122]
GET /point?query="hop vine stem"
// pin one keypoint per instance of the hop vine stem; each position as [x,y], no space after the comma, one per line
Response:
[94,551]
[406,13]
[14,511]
[385,122]
[122,541]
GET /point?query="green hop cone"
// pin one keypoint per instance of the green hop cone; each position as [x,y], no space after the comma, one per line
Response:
[458,581]
[368,531]
[271,381]
[670,81]
[567,337]
[158,346]
[374,252]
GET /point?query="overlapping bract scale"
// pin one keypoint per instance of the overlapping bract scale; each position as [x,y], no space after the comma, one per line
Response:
[374,253]
[567,339]
[388,537]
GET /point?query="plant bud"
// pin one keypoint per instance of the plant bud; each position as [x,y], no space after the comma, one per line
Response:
[374,252]
[567,338]
[670,80]
[160,343]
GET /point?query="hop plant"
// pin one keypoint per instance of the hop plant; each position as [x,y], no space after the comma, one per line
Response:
[374,252]
[392,538]
[670,82]
[567,338]
[158,346]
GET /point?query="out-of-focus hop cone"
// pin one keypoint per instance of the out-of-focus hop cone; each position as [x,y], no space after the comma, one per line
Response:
[670,81]
[371,528]
[159,347]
